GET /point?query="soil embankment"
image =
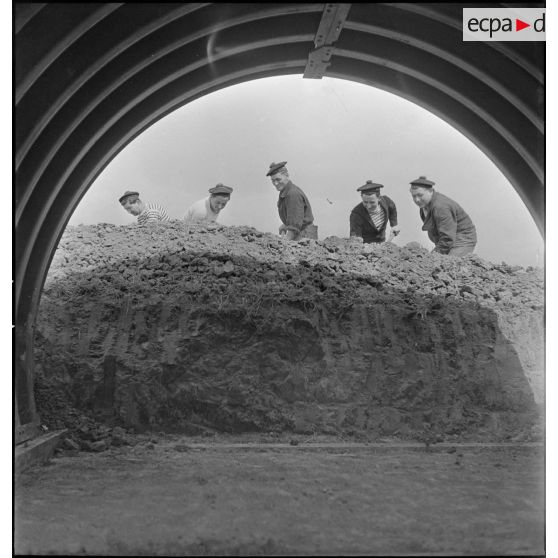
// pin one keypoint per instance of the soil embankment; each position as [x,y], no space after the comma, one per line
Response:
[232,330]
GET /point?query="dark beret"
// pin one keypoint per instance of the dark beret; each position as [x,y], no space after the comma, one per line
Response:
[127,194]
[370,187]
[275,167]
[221,189]
[423,181]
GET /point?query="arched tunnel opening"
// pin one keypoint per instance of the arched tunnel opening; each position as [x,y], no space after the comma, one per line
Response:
[220,390]
[105,72]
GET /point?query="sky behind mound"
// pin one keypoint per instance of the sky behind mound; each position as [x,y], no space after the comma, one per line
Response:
[335,135]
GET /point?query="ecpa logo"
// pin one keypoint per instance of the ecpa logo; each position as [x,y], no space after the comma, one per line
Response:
[504,24]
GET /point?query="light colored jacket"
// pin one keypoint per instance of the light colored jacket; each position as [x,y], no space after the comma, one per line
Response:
[200,211]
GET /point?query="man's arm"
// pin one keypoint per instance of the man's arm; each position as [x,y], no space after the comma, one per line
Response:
[189,216]
[294,206]
[392,217]
[392,212]
[355,225]
[446,225]
[196,212]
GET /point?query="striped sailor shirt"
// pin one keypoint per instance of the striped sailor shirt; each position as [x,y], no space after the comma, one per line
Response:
[378,217]
[362,224]
[152,213]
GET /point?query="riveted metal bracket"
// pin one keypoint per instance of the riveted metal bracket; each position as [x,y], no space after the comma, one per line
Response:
[318,61]
[333,18]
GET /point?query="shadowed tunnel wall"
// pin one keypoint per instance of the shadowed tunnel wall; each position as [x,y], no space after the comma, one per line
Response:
[89,77]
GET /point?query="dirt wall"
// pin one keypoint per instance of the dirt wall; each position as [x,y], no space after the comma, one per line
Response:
[230,329]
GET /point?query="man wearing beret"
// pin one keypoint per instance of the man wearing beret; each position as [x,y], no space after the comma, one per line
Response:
[448,225]
[145,212]
[369,219]
[294,208]
[208,209]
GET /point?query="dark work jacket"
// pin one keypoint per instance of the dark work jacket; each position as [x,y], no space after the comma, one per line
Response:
[447,224]
[361,223]
[294,208]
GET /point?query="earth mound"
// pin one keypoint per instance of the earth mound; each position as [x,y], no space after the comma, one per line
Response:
[228,329]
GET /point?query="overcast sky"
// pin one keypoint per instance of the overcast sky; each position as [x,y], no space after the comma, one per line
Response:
[335,135]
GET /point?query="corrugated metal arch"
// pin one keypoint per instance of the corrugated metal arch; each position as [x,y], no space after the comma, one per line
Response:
[90,77]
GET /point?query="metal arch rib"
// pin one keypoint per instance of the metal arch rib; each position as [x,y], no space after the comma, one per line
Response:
[503,48]
[463,64]
[47,58]
[70,90]
[24,14]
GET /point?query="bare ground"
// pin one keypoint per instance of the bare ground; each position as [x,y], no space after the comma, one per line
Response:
[176,496]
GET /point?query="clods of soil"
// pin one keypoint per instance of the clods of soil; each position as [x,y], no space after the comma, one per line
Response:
[187,329]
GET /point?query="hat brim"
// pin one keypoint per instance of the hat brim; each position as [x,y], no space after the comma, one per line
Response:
[121,199]
[276,168]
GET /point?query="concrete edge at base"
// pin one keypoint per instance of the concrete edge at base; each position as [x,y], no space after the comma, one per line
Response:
[37,450]
[389,446]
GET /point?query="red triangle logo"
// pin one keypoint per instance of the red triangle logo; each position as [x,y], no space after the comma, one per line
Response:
[519,25]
